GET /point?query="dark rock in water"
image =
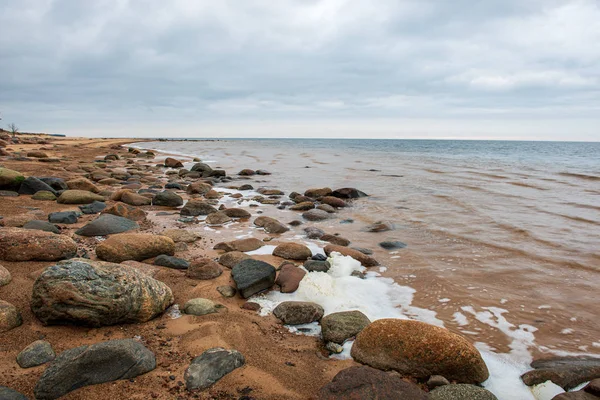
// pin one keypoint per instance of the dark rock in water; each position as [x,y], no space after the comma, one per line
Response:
[380,226]
[107,224]
[341,326]
[358,383]
[319,257]
[313,232]
[247,172]
[10,317]
[212,365]
[167,199]
[171,262]
[90,365]
[57,184]
[63,217]
[262,172]
[461,392]
[253,276]
[93,208]
[298,312]
[363,250]
[174,185]
[8,193]
[347,221]
[319,266]
[201,167]
[32,185]
[237,213]
[217,173]
[566,372]
[289,278]
[348,193]
[317,192]
[295,223]
[9,394]
[96,293]
[316,215]
[197,207]
[246,187]
[37,353]
[333,239]
[392,245]
[41,226]
[173,163]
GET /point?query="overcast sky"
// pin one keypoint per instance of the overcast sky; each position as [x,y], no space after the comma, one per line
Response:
[511,69]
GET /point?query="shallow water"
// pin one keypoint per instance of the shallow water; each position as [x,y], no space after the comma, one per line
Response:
[503,237]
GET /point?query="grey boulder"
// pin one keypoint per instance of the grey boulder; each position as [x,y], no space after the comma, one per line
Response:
[252,276]
[37,353]
[212,365]
[107,224]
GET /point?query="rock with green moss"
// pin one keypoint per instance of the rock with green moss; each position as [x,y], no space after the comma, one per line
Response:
[44,195]
[10,179]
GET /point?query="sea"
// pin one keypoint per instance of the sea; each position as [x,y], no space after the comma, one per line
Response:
[502,237]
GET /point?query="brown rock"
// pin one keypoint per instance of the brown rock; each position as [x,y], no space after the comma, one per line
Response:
[212,194]
[135,199]
[134,246]
[218,218]
[357,255]
[237,213]
[419,350]
[315,193]
[271,225]
[337,240]
[380,226]
[250,305]
[361,383]
[5,276]
[333,201]
[566,372]
[247,172]
[298,312]
[116,196]
[292,251]
[243,245]
[18,244]
[146,269]
[232,258]
[10,317]
[304,206]
[126,211]
[198,188]
[37,154]
[78,197]
[204,268]
[173,163]
[289,278]
[82,184]
[577,395]
[181,235]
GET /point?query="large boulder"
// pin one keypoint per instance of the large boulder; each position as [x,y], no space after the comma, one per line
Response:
[167,199]
[359,383]
[173,163]
[134,246]
[96,293]
[78,197]
[198,188]
[566,372]
[10,317]
[197,207]
[9,179]
[93,364]
[201,167]
[292,251]
[249,244]
[417,349]
[253,276]
[461,392]
[57,184]
[107,224]
[126,211]
[82,184]
[341,326]
[37,353]
[298,312]
[348,193]
[357,255]
[212,365]
[17,244]
[271,225]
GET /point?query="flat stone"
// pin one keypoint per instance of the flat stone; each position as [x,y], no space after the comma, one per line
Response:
[337,240]
[41,226]
[44,195]
[107,224]
[134,246]
[392,245]
[201,306]
[316,215]
[37,353]
[318,266]
[212,365]
[243,245]
[292,251]
[78,197]
[237,213]
[18,244]
[63,217]
[171,262]
[253,276]
[566,372]
[8,193]
[289,278]
[10,317]
[93,208]
[231,258]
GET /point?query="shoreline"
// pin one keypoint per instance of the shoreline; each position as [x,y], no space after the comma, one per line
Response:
[251,335]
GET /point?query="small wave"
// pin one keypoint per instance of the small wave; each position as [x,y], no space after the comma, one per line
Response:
[586,206]
[434,171]
[488,175]
[581,176]
[527,185]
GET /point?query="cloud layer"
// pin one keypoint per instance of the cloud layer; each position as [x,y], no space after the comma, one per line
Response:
[88,67]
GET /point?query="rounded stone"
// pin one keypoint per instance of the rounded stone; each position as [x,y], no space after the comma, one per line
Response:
[201,306]
[231,258]
[17,244]
[298,312]
[292,251]
[341,326]
[37,353]
[5,276]
[204,268]
[10,317]
[134,246]
[461,392]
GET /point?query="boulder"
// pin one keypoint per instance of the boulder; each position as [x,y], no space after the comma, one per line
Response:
[82,184]
[304,206]
[320,192]
[8,193]
[341,326]
[134,199]
[392,245]
[17,244]
[201,167]
[41,226]
[461,392]
[107,224]
[271,225]
[566,372]
[289,278]
[333,201]
[78,197]
[37,353]
[167,199]
[218,218]
[5,276]
[93,364]
[237,213]
[198,188]
[253,276]
[316,215]
[44,195]
[32,185]
[93,208]
[417,349]
[348,193]
[247,172]
[96,293]
[134,246]
[312,232]
[174,185]
[317,265]
[358,383]
[212,365]
[337,240]
[231,258]
[298,312]
[197,207]
[204,268]
[173,163]
[10,394]
[171,262]
[249,244]
[57,184]
[10,317]
[63,217]
[201,306]
[126,211]
[292,251]
[357,255]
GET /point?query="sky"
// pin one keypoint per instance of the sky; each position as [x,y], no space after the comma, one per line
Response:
[487,69]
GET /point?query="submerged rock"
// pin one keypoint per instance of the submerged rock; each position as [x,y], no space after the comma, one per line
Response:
[253,276]
[319,192]
[96,293]
[348,193]
[392,245]
[316,215]
[17,244]
[90,365]
[212,365]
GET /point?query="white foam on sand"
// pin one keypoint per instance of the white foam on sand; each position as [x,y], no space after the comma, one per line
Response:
[265,250]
